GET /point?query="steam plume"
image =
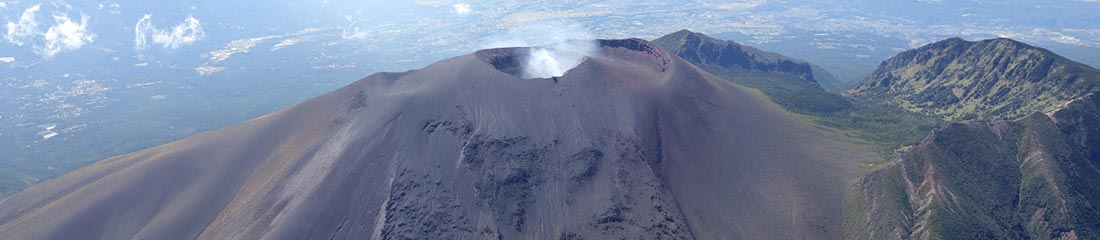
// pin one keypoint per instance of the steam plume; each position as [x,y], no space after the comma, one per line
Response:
[555,60]
[555,47]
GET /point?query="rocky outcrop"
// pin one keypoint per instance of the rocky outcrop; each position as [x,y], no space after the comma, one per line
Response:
[732,57]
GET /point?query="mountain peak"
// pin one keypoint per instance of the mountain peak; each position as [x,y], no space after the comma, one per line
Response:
[1000,44]
[954,39]
[683,33]
[731,57]
[960,43]
[1005,40]
[983,80]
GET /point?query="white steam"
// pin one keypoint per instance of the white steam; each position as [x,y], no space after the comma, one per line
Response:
[555,60]
[555,46]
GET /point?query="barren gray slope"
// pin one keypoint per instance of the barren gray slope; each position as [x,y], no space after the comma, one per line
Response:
[634,143]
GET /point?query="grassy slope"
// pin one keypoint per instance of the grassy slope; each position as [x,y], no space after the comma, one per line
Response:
[997,79]
[888,129]
[1029,178]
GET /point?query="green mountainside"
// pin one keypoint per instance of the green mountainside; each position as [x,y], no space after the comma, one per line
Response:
[1030,178]
[1021,159]
[1033,177]
[798,87]
[994,79]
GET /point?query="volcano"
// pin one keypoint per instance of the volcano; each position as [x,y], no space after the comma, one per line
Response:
[634,142]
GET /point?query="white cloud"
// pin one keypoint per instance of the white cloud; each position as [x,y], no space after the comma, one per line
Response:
[3,5]
[66,35]
[184,33]
[19,31]
[742,5]
[207,70]
[431,3]
[143,25]
[114,9]
[461,8]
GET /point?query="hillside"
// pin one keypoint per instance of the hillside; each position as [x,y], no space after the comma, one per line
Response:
[994,79]
[1029,178]
[887,127]
[793,84]
[634,143]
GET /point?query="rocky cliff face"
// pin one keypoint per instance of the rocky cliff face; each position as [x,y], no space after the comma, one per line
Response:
[1030,178]
[986,80]
[791,83]
[731,57]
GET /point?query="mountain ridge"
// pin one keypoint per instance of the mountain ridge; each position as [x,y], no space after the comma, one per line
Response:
[794,84]
[707,52]
[992,79]
[1034,180]
[1016,159]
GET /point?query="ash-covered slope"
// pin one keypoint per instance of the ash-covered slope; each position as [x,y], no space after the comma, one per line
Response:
[996,79]
[1030,178]
[633,143]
